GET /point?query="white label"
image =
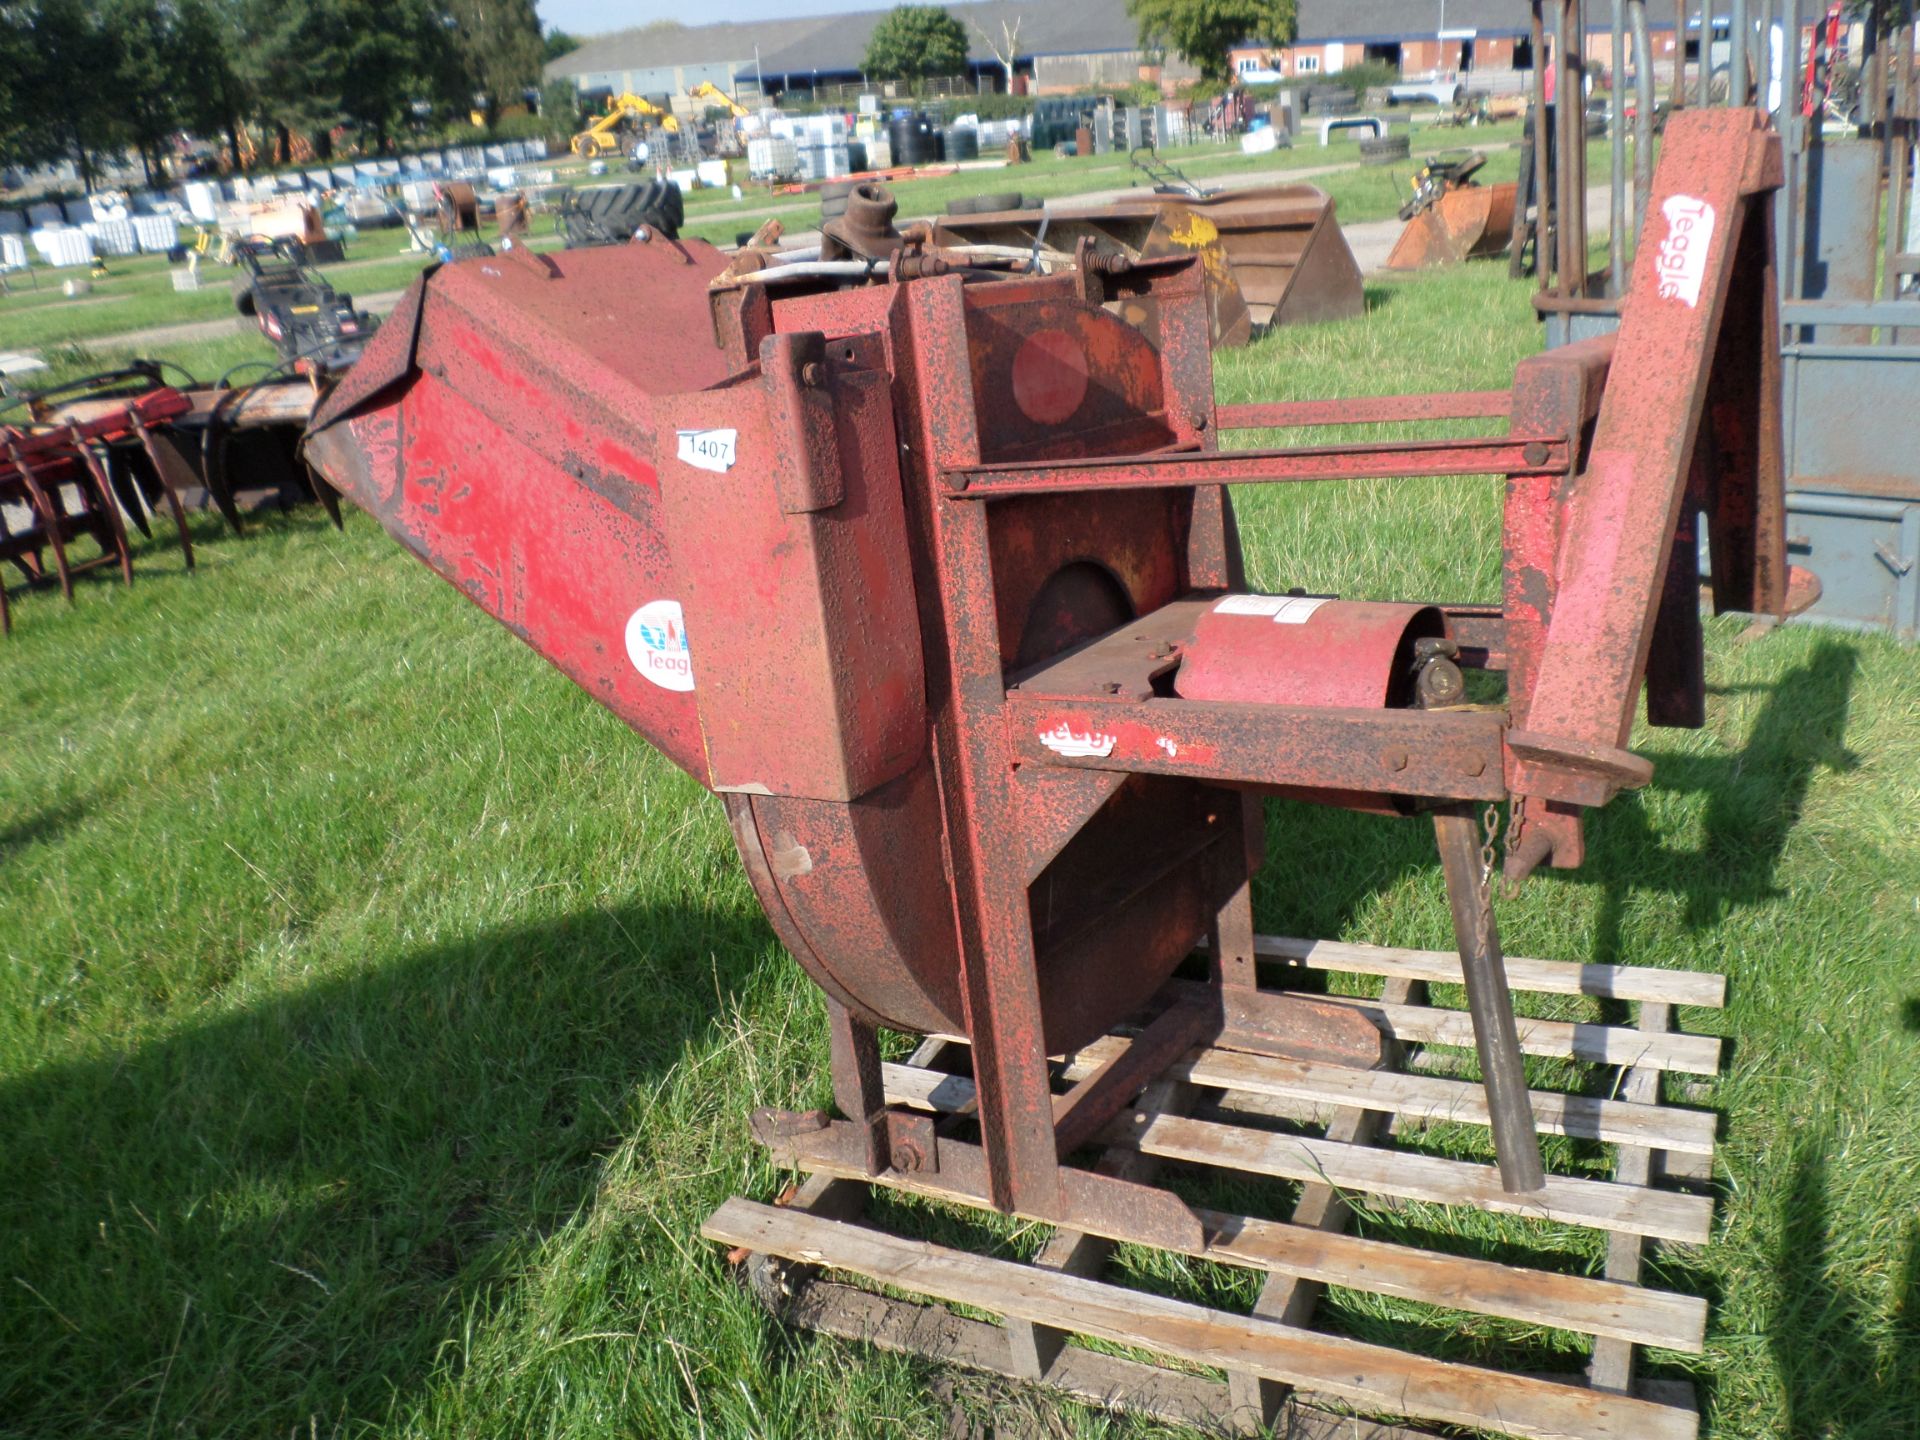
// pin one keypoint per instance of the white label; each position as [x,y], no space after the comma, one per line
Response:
[1682,262]
[657,645]
[1076,744]
[708,449]
[1250,605]
[1297,610]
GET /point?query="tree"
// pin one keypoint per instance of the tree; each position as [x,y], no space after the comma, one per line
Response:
[555,44]
[1201,32]
[1007,49]
[500,50]
[915,41]
[66,96]
[145,115]
[206,36]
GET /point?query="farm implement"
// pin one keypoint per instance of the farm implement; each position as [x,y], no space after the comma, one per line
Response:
[931,572]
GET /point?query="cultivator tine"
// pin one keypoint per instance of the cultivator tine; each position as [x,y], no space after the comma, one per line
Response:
[51,511]
[126,489]
[213,467]
[328,497]
[96,475]
[173,472]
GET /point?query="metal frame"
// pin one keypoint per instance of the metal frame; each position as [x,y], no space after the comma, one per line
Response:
[956,558]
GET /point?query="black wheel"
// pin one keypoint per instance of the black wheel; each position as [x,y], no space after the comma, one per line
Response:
[243,298]
[1385,150]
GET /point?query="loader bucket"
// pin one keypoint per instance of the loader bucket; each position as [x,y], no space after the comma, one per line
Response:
[1469,223]
[1288,253]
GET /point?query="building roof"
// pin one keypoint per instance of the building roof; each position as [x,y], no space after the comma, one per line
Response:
[835,44]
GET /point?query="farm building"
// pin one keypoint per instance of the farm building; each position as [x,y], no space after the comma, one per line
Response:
[1060,46]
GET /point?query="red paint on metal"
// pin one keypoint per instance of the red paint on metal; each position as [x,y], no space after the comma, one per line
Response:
[1290,650]
[1049,376]
[952,616]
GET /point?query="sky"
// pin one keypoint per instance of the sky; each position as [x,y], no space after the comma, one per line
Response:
[592,17]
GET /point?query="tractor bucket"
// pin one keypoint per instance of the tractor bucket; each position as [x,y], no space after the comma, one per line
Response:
[1288,253]
[1467,223]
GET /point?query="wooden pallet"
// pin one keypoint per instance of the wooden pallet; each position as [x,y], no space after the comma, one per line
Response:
[1218,1109]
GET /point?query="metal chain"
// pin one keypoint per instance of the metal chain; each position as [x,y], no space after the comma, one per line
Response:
[1489,835]
[1516,822]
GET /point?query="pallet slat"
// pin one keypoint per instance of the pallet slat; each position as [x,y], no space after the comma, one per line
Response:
[1432,1097]
[1577,1040]
[1599,1204]
[1114,1382]
[1371,1376]
[1547,977]
[1457,1282]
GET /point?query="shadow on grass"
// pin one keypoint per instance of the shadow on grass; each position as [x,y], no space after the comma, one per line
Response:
[283,1216]
[1847,1371]
[37,829]
[1754,801]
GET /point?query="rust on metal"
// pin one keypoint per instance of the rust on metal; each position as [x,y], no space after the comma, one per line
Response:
[935,577]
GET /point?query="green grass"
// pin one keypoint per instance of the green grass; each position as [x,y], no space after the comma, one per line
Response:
[380,1018]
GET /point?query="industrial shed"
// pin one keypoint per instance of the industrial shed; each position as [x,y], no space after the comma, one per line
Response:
[1062,45]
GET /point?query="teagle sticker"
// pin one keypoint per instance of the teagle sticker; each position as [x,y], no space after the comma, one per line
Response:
[709,449]
[1682,262]
[657,645]
[1064,740]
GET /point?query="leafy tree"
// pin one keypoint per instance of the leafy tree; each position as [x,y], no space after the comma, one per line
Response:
[142,46]
[16,132]
[388,55]
[67,105]
[556,43]
[915,41]
[500,50]
[206,38]
[1201,32]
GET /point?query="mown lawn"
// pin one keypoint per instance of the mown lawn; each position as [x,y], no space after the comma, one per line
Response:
[380,1018]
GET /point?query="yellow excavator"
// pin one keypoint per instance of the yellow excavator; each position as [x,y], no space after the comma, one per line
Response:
[707,90]
[605,136]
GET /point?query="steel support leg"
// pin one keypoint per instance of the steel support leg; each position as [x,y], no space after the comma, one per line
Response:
[1495,1035]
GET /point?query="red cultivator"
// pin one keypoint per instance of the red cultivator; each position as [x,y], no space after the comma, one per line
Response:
[938,584]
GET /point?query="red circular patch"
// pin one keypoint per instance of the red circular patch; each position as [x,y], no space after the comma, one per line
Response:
[1050,376]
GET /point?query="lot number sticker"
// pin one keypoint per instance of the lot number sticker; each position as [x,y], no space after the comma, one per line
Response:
[708,449]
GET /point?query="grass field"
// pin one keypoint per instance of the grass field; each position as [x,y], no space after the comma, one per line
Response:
[380,1018]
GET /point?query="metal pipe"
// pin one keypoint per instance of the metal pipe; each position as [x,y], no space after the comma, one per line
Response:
[1542,197]
[1793,132]
[1577,142]
[1643,116]
[1737,42]
[1703,95]
[1617,174]
[1899,150]
[1677,81]
[1565,85]
[1496,1038]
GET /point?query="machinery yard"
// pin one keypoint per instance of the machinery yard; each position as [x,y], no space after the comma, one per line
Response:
[1237,790]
